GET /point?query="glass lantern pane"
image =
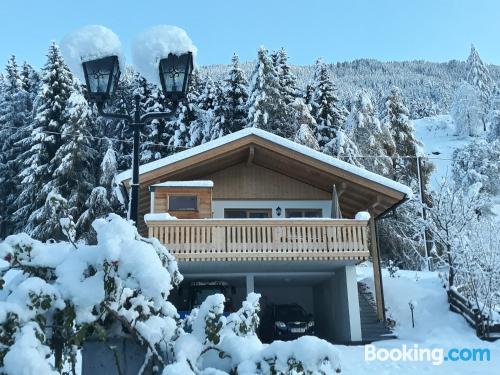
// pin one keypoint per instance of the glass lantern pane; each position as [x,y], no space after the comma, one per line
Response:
[99,74]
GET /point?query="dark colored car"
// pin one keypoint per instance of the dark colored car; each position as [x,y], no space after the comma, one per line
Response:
[290,321]
[195,294]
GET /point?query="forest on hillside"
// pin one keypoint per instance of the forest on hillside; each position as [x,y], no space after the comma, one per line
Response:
[59,158]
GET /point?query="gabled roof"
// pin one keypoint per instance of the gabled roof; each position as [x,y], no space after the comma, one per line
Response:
[277,140]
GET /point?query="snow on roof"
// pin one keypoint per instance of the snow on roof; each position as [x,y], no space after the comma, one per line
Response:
[126,175]
[196,183]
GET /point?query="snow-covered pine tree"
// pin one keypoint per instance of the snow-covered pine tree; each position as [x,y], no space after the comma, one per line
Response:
[56,88]
[185,115]
[305,124]
[154,145]
[308,93]
[494,117]
[206,99]
[122,102]
[215,119]
[73,164]
[406,145]
[31,82]
[467,111]
[230,113]
[14,115]
[326,107]
[479,77]
[266,107]
[97,205]
[369,135]
[201,128]
[477,162]
[287,80]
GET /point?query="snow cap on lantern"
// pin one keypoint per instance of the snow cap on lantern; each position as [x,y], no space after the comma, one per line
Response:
[157,43]
[90,43]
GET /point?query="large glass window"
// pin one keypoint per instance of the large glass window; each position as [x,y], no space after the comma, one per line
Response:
[242,213]
[182,203]
[303,212]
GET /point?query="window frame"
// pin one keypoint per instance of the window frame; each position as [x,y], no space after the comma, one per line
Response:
[177,195]
[247,211]
[303,211]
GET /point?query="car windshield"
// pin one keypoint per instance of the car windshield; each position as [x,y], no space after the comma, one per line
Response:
[291,314]
[201,294]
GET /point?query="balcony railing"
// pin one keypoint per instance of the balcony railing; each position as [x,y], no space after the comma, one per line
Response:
[262,239]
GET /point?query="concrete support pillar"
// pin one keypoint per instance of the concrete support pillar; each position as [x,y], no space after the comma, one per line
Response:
[250,281]
[351,284]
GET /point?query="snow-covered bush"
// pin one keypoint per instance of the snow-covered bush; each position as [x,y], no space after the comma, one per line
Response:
[453,210]
[55,295]
[478,267]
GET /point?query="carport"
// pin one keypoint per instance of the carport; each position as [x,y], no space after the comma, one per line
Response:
[328,290]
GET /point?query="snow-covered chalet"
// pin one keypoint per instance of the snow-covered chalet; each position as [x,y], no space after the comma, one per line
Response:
[262,213]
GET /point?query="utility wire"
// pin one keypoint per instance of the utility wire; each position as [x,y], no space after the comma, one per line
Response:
[93,137]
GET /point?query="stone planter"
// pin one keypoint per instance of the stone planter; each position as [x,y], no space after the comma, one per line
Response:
[104,357]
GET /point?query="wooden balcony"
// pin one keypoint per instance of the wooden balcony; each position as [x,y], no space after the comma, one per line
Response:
[262,239]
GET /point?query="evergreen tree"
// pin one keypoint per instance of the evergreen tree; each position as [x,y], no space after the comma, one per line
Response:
[308,93]
[266,107]
[467,111]
[51,115]
[479,77]
[287,80]
[97,205]
[406,145]
[230,112]
[370,136]
[154,146]
[305,124]
[73,163]
[30,82]
[186,113]
[207,97]
[14,114]
[326,107]
[122,102]
[494,117]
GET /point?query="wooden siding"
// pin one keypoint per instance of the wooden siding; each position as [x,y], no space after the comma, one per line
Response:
[254,240]
[252,181]
[204,196]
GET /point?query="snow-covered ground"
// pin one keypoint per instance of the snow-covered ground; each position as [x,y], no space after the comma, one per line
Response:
[435,327]
[437,136]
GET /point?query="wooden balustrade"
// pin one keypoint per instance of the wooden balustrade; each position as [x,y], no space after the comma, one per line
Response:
[262,239]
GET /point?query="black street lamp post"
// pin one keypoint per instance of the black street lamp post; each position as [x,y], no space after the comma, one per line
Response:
[102,77]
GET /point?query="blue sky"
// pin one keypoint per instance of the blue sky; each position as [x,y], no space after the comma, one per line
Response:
[435,30]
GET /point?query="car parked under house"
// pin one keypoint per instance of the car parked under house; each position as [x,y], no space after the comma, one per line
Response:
[259,212]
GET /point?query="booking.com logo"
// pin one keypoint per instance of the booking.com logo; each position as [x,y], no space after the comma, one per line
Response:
[416,354]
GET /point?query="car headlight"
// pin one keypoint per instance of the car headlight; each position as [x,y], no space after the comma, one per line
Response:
[280,325]
[310,324]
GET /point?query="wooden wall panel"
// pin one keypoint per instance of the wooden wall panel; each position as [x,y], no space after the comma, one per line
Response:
[204,202]
[244,181]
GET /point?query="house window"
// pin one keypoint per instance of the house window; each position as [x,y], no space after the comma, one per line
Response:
[303,212]
[182,203]
[242,213]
